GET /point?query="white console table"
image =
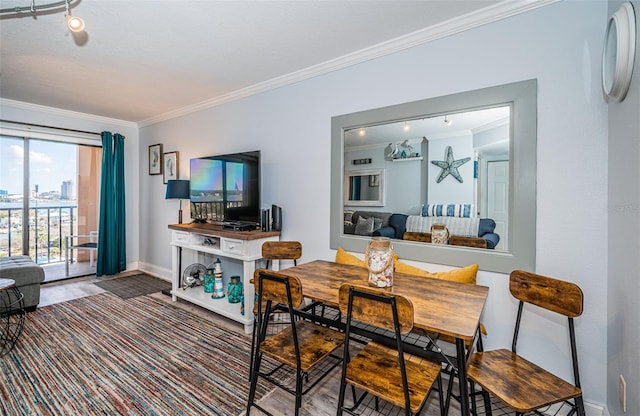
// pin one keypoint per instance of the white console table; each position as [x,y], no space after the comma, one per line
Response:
[238,252]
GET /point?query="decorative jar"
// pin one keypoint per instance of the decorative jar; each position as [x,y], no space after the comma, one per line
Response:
[379,261]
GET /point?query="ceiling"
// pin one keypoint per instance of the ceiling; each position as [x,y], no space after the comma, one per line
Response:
[144,61]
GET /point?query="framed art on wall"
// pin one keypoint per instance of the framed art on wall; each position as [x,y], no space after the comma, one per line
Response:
[155,159]
[170,165]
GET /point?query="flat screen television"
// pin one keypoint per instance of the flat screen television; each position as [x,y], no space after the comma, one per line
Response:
[225,188]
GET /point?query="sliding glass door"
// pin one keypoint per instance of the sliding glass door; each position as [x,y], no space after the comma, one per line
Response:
[48,190]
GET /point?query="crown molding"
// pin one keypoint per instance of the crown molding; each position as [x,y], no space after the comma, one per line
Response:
[482,17]
[4,102]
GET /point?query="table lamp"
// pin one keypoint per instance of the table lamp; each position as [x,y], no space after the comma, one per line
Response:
[178,189]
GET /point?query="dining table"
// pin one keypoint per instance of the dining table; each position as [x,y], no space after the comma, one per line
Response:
[440,306]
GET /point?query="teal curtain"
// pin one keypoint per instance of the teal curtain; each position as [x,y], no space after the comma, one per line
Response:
[112,238]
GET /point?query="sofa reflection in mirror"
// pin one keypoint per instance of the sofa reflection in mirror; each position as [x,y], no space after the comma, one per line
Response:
[463,230]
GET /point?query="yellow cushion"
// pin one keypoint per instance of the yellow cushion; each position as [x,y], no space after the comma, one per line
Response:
[343,257]
[463,275]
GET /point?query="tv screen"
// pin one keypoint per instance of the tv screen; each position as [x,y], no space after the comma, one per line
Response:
[226,188]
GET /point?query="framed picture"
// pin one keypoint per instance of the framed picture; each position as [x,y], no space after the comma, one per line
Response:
[155,159]
[170,166]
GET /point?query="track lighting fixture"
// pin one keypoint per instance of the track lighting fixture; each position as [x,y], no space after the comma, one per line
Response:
[74,23]
[447,122]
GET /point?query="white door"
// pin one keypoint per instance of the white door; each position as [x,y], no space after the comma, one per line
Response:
[498,199]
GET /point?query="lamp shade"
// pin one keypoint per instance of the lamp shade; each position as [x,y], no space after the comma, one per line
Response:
[177,189]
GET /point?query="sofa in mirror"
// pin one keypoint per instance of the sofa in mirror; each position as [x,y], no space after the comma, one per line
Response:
[466,160]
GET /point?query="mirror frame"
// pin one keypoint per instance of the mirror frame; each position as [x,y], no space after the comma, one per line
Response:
[522,97]
[368,202]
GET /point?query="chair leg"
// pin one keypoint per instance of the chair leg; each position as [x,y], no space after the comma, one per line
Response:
[299,380]
[254,382]
[580,406]
[487,402]
[441,395]
[253,346]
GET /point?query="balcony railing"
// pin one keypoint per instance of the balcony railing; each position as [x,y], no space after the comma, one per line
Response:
[47,228]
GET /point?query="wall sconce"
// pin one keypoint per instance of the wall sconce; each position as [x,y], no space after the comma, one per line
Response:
[178,189]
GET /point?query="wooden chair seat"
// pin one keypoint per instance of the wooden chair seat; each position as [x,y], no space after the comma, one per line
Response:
[364,372]
[519,383]
[316,343]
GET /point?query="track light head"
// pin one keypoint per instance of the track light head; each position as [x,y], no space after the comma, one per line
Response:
[75,23]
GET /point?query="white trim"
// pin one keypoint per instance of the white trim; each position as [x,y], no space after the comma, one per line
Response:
[66,113]
[485,16]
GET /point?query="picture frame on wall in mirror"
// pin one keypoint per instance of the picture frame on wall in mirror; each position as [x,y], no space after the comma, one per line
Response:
[155,159]
[170,166]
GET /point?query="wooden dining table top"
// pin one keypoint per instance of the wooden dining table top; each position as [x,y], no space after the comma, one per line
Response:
[441,306]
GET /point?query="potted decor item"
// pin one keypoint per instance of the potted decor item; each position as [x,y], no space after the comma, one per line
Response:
[234,290]
[379,261]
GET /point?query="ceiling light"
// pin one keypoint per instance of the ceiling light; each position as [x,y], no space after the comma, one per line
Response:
[362,132]
[406,127]
[447,122]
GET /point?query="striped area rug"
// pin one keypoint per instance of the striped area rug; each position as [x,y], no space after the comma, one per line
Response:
[108,356]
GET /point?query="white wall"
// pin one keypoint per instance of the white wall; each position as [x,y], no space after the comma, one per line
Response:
[560,45]
[26,113]
[623,284]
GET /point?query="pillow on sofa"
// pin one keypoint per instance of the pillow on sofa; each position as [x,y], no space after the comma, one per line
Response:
[343,257]
[364,226]
[463,275]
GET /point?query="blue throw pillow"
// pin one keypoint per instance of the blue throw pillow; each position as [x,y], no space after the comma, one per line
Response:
[447,210]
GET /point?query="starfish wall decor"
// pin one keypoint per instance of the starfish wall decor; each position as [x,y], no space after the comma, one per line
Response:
[450,166]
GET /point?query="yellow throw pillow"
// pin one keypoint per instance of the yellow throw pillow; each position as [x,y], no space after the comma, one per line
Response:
[405,268]
[343,257]
[463,275]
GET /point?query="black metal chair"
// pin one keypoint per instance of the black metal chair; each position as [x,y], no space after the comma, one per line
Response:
[301,347]
[385,371]
[274,250]
[517,382]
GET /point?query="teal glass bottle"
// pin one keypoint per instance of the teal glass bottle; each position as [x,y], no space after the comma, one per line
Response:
[208,281]
[234,290]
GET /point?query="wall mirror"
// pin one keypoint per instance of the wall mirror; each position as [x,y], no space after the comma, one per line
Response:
[494,128]
[364,188]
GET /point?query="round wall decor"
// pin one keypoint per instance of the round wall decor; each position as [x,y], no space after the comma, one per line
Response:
[619,52]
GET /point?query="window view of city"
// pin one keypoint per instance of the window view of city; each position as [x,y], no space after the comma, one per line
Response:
[53,208]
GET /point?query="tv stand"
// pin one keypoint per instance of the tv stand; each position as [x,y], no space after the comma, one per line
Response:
[237,250]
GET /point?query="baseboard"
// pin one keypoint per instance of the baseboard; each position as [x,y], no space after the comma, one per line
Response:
[590,408]
[156,271]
